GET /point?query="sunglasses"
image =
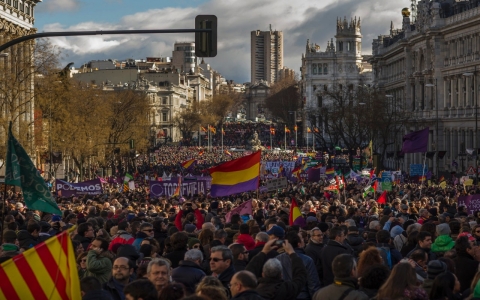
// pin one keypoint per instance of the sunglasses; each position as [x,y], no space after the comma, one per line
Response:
[216,259]
[83,260]
[148,230]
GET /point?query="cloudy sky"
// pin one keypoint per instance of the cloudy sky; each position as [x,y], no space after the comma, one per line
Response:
[299,20]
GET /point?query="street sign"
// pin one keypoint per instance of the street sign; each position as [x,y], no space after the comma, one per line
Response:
[275,184]
[471,171]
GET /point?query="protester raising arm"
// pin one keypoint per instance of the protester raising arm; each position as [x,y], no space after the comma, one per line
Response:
[256,263]
[198,216]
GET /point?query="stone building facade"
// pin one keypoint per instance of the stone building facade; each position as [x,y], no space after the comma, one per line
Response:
[342,62]
[17,104]
[430,67]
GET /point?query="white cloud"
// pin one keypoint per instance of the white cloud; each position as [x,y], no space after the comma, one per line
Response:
[299,21]
[58,5]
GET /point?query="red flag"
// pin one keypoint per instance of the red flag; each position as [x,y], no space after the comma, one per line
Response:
[375,185]
[383,198]
[372,172]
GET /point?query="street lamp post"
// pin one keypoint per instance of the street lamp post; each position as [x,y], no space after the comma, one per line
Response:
[476,122]
[436,126]
[394,111]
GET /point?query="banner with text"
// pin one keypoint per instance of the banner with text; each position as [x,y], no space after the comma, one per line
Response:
[167,188]
[472,202]
[68,189]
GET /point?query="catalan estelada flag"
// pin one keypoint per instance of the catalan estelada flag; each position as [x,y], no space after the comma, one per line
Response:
[295,216]
[47,271]
[188,163]
[236,176]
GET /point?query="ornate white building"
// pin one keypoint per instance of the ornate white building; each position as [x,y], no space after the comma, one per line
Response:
[430,67]
[342,62]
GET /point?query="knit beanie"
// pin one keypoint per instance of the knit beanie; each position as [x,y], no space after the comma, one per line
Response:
[192,241]
[435,268]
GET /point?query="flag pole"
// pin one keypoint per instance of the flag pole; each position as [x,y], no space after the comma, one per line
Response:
[423,172]
[221,133]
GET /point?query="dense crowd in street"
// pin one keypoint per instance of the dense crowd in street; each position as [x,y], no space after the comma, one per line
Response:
[420,245]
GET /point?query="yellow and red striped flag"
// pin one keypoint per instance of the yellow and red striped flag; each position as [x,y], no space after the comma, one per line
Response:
[47,271]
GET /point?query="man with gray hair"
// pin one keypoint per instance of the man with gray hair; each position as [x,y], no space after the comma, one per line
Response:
[271,285]
[189,271]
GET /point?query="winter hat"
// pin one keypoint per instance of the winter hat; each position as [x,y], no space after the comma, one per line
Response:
[468,235]
[387,211]
[192,241]
[323,226]
[433,211]
[311,219]
[443,229]
[190,228]
[56,218]
[396,230]
[435,268]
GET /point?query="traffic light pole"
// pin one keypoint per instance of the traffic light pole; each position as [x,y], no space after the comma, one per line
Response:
[97,32]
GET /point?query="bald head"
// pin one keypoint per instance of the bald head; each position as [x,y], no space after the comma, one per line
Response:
[121,261]
[242,281]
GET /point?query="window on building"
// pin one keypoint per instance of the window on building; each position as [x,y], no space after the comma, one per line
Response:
[340,46]
[314,69]
[164,100]
[9,2]
[349,48]
[15,4]
[319,101]
[164,117]
[325,69]
[27,9]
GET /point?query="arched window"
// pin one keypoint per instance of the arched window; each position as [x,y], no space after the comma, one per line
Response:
[314,69]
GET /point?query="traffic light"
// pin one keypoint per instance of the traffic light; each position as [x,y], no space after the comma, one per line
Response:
[206,42]
[132,144]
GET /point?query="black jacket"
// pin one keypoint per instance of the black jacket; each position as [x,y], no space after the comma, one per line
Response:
[189,274]
[95,295]
[83,240]
[276,288]
[26,240]
[329,252]
[176,256]
[315,251]
[355,241]
[239,265]
[112,289]
[248,295]
[225,278]
[465,269]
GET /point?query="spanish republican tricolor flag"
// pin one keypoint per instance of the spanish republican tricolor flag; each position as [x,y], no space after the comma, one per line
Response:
[295,216]
[188,163]
[47,271]
[236,176]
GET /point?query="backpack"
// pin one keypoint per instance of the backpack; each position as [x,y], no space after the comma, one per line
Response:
[387,256]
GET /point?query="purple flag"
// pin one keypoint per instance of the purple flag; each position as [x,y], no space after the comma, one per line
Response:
[244,208]
[416,141]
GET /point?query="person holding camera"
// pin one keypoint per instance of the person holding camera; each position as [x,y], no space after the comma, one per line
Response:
[271,284]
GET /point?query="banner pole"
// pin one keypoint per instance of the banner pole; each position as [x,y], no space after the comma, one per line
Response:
[423,173]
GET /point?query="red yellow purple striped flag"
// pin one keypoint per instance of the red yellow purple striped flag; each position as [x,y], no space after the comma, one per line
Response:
[236,176]
[47,271]
[188,163]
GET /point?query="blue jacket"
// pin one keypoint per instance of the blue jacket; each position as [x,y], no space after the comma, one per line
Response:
[313,283]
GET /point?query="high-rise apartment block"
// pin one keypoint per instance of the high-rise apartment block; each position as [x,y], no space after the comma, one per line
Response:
[266,55]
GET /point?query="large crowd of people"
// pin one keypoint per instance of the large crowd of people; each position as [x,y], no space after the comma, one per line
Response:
[419,245]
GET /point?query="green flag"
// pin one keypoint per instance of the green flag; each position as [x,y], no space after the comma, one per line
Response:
[20,171]
[368,189]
